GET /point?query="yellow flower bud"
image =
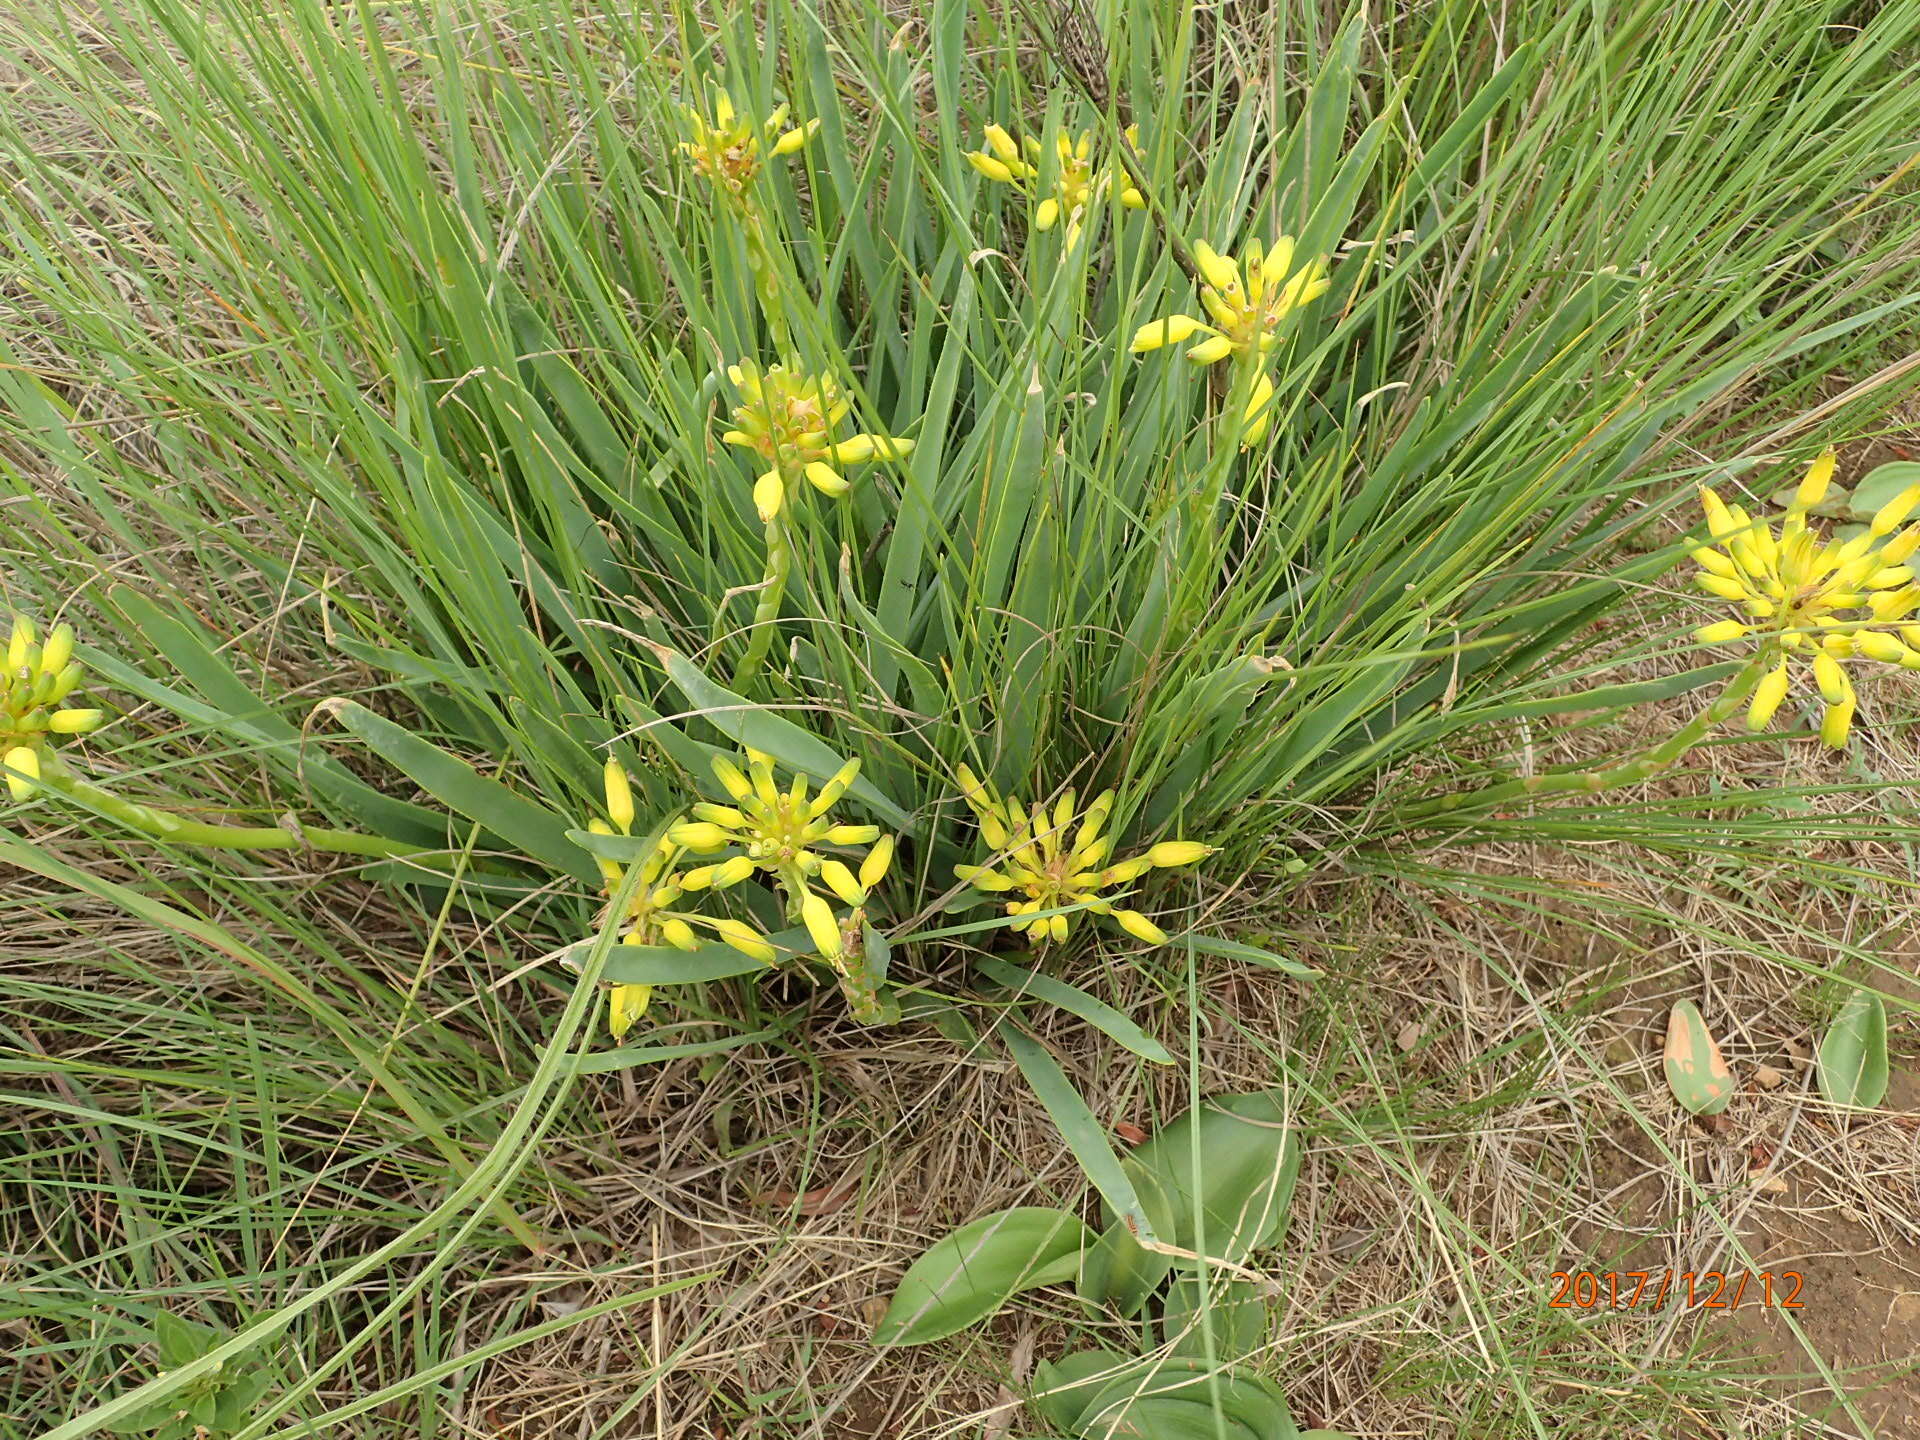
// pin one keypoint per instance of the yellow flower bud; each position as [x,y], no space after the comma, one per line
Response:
[58,649]
[730,778]
[1275,263]
[75,722]
[852,835]
[1831,679]
[839,879]
[1001,143]
[1211,351]
[1888,517]
[827,480]
[1720,632]
[879,860]
[1813,489]
[1216,269]
[1878,645]
[626,1004]
[1169,331]
[1835,724]
[988,166]
[1720,585]
[796,138]
[26,762]
[745,939]
[19,641]
[1767,696]
[1047,214]
[699,835]
[1125,871]
[818,917]
[678,934]
[769,493]
[1057,926]
[861,448]
[982,878]
[619,797]
[1177,852]
[1141,928]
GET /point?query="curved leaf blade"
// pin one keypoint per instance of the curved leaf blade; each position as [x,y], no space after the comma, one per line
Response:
[978,1268]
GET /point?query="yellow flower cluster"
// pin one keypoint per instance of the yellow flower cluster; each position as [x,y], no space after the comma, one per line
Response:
[780,834]
[1036,859]
[1078,183]
[787,418]
[731,150]
[1821,601]
[37,682]
[1248,303]
[651,917]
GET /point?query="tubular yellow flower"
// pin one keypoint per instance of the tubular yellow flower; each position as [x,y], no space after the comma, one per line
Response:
[1079,184]
[783,834]
[27,763]
[1047,861]
[626,1004]
[787,419]
[619,797]
[731,150]
[1247,303]
[37,680]
[1804,596]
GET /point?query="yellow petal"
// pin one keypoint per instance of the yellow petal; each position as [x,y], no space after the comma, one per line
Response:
[1767,696]
[75,722]
[1133,199]
[1216,269]
[1835,724]
[619,797]
[1831,679]
[58,649]
[1813,489]
[1001,143]
[988,166]
[879,860]
[1720,632]
[1141,928]
[1278,259]
[679,934]
[1169,331]
[626,1004]
[769,493]
[699,835]
[1177,852]
[1209,351]
[827,480]
[1047,215]
[1720,585]
[796,139]
[1889,515]
[839,879]
[27,763]
[821,925]
[858,449]
[19,641]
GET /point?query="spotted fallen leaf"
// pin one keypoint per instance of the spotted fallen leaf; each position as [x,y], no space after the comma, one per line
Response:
[1698,1077]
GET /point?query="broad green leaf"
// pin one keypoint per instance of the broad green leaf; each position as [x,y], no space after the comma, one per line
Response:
[1224,1173]
[1084,1134]
[975,1270]
[517,820]
[1182,1391]
[1230,1322]
[759,729]
[1696,1074]
[1097,1013]
[1853,1053]
[179,1341]
[1063,1389]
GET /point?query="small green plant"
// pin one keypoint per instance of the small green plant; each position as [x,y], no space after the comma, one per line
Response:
[213,1407]
[1214,1185]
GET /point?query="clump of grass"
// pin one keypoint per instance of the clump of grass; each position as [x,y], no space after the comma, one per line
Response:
[436,320]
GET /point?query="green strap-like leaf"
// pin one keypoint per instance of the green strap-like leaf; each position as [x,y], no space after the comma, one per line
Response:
[1097,1013]
[533,828]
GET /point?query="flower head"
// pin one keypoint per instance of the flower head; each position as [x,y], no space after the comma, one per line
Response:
[1247,302]
[1054,863]
[787,418]
[730,149]
[1823,602]
[653,915]
[33,690]
[789,835]
[1078,183]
